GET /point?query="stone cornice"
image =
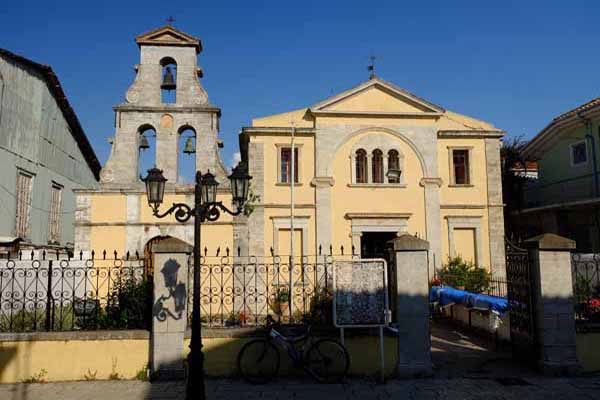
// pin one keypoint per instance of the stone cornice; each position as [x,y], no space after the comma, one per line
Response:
[322,181]
[462,206]
[431,181]
[375,114]
[474,134]
[276,131]
[166,108]
[284,205]
[381,215]
[190,222]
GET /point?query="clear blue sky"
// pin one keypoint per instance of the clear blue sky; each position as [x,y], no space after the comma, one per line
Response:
[513,63]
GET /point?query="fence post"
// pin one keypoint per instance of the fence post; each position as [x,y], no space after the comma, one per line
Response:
[169,312]
[408,256]
[49,301]
[552,287]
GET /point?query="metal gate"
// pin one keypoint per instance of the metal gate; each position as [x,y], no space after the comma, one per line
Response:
[520,303]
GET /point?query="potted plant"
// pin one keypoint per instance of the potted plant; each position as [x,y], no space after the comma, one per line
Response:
[281,301]
[233,320]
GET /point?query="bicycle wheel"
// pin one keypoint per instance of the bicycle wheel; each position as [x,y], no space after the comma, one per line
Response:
[258,361]
[328,361]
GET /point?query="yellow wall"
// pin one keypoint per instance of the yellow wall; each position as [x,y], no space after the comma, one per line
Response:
[476,194]
[465,244]
[71,360]
[74,359]
[108,208]
[347,199]
[108,238]
[280,194]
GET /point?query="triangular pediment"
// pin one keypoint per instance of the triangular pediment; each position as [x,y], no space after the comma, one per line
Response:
[168,36]
[376,96]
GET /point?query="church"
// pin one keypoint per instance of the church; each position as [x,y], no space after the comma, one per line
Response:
[364,165]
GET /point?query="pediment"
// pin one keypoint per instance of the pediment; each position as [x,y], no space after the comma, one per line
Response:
[376,97]
[168,36]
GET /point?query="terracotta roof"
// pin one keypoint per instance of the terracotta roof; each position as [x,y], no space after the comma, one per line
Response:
[584,107]
[63,103]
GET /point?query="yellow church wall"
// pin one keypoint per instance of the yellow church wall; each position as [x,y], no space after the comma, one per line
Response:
[348,198]
[298,117]
[363,121]
[485,242]
[374,99]
[109,238]
[476,192]
[108,207]
[277,193]
[214,236]
[301,214]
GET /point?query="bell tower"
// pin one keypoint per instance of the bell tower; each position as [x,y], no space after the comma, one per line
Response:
[166,98]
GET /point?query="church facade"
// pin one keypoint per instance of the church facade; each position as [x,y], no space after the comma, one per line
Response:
[369,163]
[448,192]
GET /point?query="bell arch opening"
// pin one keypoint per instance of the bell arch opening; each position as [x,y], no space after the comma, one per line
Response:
[186,154]
[147,149]
[168,86]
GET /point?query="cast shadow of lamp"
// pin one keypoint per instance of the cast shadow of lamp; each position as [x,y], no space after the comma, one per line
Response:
[177,292]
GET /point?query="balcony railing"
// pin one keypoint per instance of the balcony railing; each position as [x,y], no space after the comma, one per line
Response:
[540,193]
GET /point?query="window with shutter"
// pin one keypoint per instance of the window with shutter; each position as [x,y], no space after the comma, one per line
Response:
[24,185]
[54,223]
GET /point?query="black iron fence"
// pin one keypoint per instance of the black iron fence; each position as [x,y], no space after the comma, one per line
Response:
[56,292]
[481,283]
[242,291]
[586,289]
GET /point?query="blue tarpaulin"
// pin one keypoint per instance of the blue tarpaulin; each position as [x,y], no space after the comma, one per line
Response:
[446,296]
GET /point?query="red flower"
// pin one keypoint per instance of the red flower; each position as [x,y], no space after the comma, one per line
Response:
[594,305]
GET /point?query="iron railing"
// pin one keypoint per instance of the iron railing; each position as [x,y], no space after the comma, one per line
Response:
[59,293]
[586,289]
[242,291]
[483,283]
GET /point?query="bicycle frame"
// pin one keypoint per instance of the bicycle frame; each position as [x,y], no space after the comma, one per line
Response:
[280,340]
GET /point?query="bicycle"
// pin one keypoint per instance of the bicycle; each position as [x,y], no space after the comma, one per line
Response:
[326,360]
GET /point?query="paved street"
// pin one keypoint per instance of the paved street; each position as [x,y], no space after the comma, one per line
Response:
[443,389]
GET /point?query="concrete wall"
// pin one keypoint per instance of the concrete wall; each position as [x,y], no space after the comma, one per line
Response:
[126,353]
[588,351]
[479,320]
[35,136]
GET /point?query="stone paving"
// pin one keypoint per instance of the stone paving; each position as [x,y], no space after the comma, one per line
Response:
[443,389]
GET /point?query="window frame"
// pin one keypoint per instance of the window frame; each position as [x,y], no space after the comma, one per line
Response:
[54,216]
[28,206]
[571,153]
[297,163]
[468,169]
[381,179]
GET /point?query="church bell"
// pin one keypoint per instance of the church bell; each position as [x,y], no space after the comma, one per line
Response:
[189,146]
[144,143]
[168,82]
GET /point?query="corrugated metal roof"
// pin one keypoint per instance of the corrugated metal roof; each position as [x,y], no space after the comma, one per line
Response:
[68,113]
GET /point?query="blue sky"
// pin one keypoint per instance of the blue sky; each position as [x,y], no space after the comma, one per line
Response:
[516,64]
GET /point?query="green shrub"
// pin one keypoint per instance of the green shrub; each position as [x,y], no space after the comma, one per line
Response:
[465,275]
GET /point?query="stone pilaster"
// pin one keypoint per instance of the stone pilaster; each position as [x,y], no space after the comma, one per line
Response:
[83,230]
[166,153]
[552,288]
[323,185]
[256,220]
[433,221]
[409,255]
[495,207]
[132,237]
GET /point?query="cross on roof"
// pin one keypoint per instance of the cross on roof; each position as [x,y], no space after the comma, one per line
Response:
[170,20]
[371,67]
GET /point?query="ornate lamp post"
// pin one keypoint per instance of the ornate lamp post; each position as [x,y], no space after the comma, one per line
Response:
[206,208]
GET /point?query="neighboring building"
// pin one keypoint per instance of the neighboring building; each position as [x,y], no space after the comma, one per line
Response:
[164,103]
[44,156]
[449,191]
[565,198]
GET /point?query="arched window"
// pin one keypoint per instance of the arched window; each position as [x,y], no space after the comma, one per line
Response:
[377,166]
[361,166]
[147,148]
[186,155]
[168,85]
[393,163]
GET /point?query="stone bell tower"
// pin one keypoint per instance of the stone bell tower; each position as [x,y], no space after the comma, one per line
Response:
[168,60]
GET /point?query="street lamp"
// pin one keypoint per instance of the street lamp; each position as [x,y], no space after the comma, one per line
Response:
[206,208]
